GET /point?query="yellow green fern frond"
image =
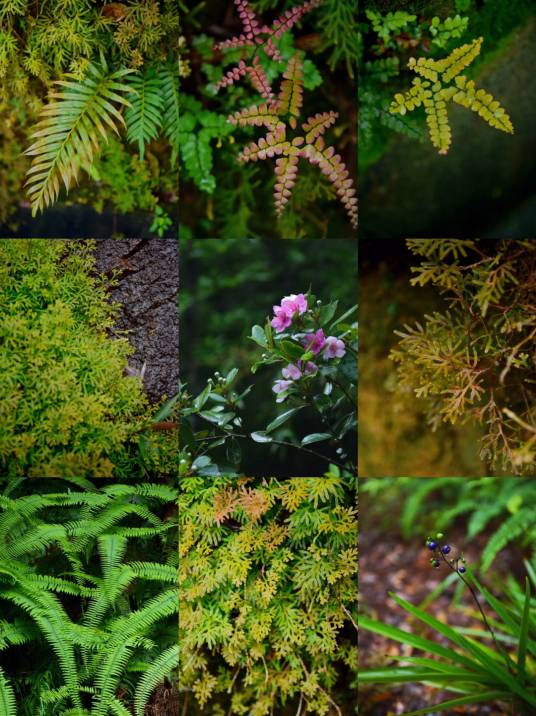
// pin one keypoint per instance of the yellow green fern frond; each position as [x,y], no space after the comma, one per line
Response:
[72,124]
[291,96]
[483,104]
[443,83]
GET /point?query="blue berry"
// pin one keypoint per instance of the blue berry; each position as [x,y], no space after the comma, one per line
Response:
[461,570]
[432,545]
[445,549]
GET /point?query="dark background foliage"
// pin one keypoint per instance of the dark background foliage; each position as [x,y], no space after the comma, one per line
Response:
[227,286]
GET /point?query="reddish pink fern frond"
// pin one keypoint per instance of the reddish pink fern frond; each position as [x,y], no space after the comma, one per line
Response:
[232,75]
[262,36]
[291,94]
[248,18]
[317,125]
[289,18]
[259,80]
[234,43]
[286,170]
[264,115]
[332,166]
[275,143]
[271,50]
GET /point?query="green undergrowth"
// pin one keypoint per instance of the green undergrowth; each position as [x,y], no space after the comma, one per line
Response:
[88,597]
[67,407]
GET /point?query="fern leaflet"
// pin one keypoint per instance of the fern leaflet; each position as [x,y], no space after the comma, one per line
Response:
[155,674]
[8,707]
[145,114]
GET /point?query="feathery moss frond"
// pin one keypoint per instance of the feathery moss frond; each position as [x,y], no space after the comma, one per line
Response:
[76,118]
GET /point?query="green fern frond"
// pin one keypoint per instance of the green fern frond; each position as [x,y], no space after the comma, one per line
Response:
[71,125]
[515,526]
[112,549]
[145,115]
[169,77]
[8,706]
[48,614]
[161,668]
[154,571]
[112,666]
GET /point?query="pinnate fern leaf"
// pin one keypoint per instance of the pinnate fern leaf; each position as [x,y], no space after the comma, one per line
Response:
[8,706]
[161,668]
[435,90]
[77,117]
[308,145]
[169,78]
[291,94]
[144,116]
[261,37]
[515,526]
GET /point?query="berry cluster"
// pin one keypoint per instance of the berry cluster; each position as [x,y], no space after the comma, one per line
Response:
[440,552]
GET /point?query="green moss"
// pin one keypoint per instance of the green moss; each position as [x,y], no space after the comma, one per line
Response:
[66,408]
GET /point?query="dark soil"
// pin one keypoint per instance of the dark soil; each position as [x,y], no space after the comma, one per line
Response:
[148,293]
[387,564]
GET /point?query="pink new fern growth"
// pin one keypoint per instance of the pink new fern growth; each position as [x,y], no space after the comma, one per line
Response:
[261,37]
[309,144]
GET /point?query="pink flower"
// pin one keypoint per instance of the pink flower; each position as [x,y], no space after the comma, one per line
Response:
[282,319]
[310,368]
[294,303]
[291,372]
[314,341]
[280,386]
[334,348]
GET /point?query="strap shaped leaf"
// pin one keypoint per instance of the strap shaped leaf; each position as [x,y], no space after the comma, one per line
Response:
[67,135]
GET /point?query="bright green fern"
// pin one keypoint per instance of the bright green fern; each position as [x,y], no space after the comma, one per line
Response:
[144,116]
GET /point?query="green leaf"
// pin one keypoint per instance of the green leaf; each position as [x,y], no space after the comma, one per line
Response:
[315,438]
[327,312]
[233,451]
[480,697]
[261,437]
[282,419]
[343,317]
[259,336]
[291,351]
[202,397]
[231,375]
[523,633]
